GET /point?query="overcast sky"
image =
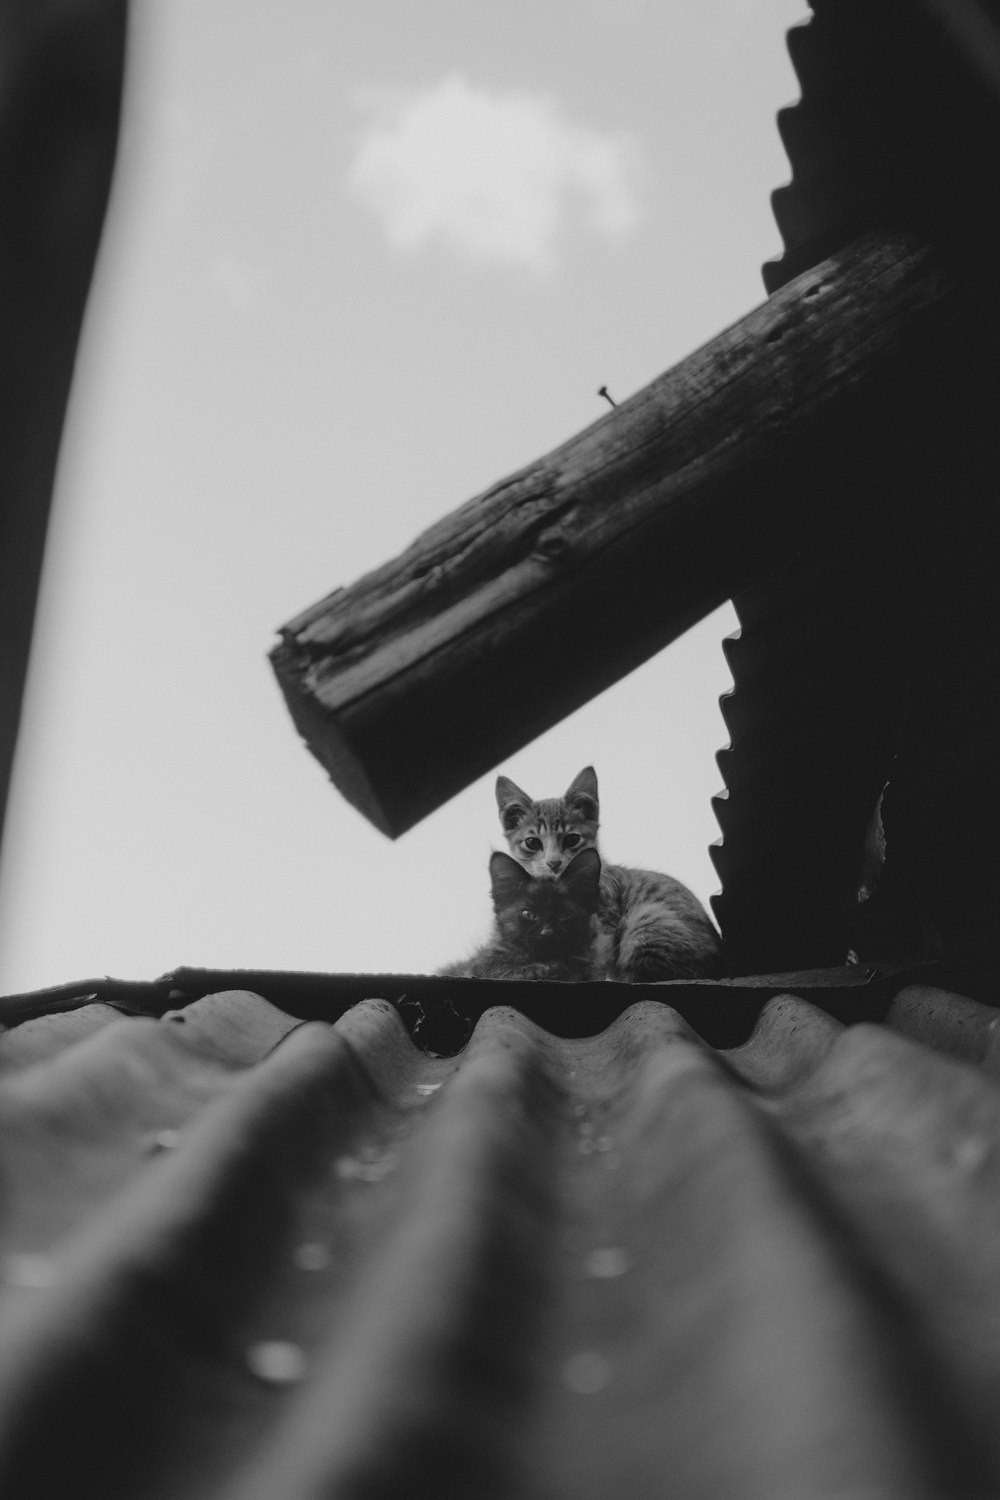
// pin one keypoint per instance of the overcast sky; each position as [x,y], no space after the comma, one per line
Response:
[363,261]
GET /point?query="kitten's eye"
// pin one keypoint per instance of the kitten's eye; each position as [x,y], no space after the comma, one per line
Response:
[570,840]
[527,916]
[533,845]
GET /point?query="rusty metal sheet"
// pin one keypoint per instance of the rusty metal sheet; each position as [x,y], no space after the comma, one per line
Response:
[248,1256]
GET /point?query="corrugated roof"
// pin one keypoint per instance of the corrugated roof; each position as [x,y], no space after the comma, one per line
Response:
[249,1255]
[868,659]
[864,658]
[897,124]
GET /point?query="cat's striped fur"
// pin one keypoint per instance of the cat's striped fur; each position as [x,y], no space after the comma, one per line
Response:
[648,926]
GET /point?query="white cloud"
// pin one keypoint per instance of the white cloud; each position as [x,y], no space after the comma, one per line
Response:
[491,176]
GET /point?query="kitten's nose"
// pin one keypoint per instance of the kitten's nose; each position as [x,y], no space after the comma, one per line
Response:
[545,933]
[555,865]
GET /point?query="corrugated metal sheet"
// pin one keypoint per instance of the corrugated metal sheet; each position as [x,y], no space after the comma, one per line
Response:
[898,124]
[865,658]
[868,658]
[249,1255]
[816,699]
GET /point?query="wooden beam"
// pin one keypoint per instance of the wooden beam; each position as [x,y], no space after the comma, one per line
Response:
[533,597]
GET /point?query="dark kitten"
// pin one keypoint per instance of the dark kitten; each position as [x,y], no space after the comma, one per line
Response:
[649,926]
[544,929]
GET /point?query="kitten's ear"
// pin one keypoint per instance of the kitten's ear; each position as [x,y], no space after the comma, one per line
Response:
[512,802]
[583,877]
[507,877]
[582,793]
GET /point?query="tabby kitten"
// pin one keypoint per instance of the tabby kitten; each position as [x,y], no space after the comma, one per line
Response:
[544,929]
[649,926]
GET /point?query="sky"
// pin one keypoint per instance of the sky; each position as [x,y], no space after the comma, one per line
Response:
[362,261]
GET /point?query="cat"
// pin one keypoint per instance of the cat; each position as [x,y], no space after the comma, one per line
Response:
[544,929]
[649,926]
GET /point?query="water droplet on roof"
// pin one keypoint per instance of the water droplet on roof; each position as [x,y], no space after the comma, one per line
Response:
[162,1140]
[29,1270]
[276,1361]
[970,1154]
[312,1256]
[366,1168]
[606,1262]
[586,1373]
